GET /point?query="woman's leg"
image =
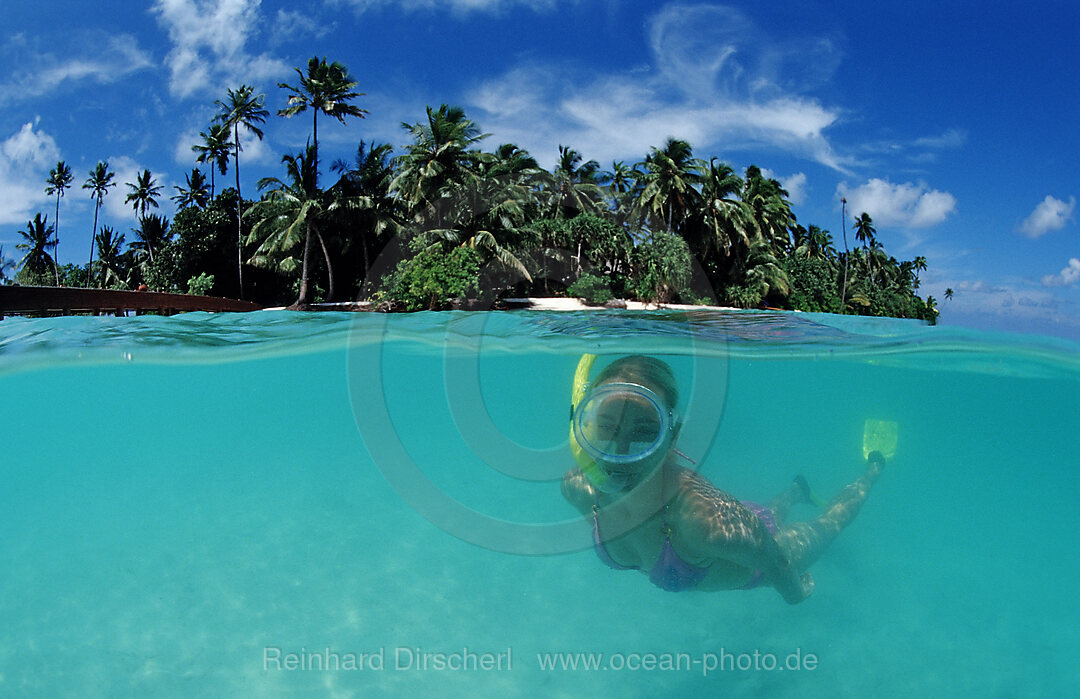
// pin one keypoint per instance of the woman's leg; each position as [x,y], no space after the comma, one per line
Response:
[804,542]
[797,492]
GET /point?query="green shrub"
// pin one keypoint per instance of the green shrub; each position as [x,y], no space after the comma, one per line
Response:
[662,268]
[592,289]
[200,285]
[433,278]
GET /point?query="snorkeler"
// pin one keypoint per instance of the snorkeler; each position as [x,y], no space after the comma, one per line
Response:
[670,522]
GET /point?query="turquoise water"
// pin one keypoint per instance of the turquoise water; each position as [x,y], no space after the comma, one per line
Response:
[188,502]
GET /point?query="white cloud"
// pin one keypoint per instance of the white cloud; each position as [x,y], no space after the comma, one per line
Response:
[25,159]
[1066,277]
[183,154]
[714,79]
[906,205]
[117,213]
[253,152]
[456,6]
[1013,299]
[113,207]
[292,25]
[94,57]
[795,185]
[952,138]
[30,147]
[209,38]
[1050,215]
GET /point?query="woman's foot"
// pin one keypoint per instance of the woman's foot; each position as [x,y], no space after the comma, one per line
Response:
[803,487]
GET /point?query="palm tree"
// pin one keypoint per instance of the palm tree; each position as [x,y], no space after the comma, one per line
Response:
[575,184]
[669,176]
[286,215]
[109,256]
[244,108]
[195,194]
[764,274]
[511,162]
[864,229]
[60,178]
[813,243]
[727,223]
[442,154]
[622,180]
[864,232]
[37,239]
[948,293]
[98,183]
[876,253]
[215,149]
[144,193]
[152,233]
[488,213]
[772,210]
[368,206]
[918,265]
[326,88]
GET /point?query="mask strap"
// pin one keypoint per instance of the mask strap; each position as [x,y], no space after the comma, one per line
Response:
[684,456]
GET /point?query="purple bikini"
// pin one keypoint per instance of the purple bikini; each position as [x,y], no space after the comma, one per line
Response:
[672,573]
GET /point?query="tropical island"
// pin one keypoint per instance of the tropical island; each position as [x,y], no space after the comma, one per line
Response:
[446,219]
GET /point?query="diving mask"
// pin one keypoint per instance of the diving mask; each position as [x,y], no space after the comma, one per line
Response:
[621,423]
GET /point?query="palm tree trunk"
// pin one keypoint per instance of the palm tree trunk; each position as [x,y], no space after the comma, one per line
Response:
[239,229]
[363,249]
[304,270]
[329,269]
[843,224]
[315,141]
[56,245]
[93,235]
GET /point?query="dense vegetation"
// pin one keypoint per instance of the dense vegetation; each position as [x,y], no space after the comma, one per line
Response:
[456,220]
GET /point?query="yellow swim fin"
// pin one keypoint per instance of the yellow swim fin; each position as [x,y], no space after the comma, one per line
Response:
[881,436]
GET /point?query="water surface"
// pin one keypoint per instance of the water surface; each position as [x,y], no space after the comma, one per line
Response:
[182,496]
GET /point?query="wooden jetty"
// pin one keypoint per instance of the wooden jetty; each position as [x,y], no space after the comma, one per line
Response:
[52,300]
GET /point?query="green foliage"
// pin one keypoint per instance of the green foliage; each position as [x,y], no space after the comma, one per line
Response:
[73,275]
[204,240]
[813,285]
[316,294]
[662,268]
[163,274]
[432,278]
[29,277]
[200,285]
[743,296]
[592,289]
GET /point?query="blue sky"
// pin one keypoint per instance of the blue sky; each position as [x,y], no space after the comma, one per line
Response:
[952,123]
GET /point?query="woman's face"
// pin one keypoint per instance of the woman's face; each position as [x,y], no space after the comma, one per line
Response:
[624,423]
[628,422]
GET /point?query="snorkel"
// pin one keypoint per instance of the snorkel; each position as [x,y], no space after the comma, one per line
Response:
[617,428]
[600,480]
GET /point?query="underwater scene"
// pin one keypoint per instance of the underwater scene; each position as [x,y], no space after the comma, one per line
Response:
[329,504]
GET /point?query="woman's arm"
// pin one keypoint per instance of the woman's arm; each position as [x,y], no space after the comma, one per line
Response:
[714,525]
[578,491]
